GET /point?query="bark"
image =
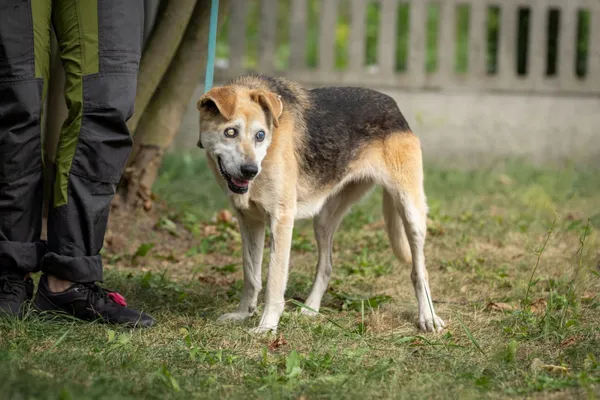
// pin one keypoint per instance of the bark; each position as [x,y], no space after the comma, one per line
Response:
[159,52]
[162,118]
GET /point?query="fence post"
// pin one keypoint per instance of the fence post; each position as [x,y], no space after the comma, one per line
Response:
[266,45]
[593,72]
[237,37]
[416,52]
[386,51]
[477,69]
[567,43]
[446,41]
[416,76]
[507,60]
[327,25]
[356,47]
[537,48]
[298,20]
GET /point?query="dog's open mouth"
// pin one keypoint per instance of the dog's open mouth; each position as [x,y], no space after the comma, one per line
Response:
[239,186]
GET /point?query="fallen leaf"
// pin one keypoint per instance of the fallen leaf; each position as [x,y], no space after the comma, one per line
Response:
[207,279]
[537,366]
[209,230]
[555,369]
[499,307]
[277,343]
[538,306]
[588,297]
[571,340]
[224,216]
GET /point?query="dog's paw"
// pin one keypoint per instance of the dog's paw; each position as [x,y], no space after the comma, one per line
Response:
[428,323]
[234,316]
[309,313]
[263,329]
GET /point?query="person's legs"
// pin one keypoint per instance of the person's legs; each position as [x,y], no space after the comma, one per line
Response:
[24,63]
[100,46]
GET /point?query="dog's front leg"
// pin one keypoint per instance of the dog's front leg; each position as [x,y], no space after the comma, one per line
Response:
[253,242]
[282,226]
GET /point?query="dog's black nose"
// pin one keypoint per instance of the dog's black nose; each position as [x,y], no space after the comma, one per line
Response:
[249,171]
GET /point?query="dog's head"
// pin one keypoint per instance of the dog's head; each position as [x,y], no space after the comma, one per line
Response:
[236,129]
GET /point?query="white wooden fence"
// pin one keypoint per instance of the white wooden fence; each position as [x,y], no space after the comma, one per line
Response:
[504,77]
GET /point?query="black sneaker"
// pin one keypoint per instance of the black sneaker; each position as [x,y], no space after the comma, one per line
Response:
[90,302]
[14,291]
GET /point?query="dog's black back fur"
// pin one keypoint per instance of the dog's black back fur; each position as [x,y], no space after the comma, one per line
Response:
[338,121]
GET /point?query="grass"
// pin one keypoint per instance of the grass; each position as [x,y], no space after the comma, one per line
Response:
[523,315]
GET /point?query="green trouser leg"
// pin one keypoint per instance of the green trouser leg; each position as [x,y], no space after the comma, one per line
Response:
[24,65]
[100,46]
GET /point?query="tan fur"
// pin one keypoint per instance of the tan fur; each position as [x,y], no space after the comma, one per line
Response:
[283,192]
[224,98]
[269,100]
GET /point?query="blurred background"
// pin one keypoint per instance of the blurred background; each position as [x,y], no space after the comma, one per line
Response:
[475,79]
[480,82]
[504,95]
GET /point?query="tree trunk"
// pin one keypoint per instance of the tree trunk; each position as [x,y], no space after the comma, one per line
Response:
[162,118]
[158,53]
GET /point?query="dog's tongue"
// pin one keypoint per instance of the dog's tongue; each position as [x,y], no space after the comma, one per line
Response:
[239,182]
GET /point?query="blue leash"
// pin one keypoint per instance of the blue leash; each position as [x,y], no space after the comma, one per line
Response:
[212,45]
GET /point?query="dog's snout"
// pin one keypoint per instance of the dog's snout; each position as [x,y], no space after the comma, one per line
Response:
[249,171]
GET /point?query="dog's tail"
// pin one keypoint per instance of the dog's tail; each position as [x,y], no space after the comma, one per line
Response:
[395,229]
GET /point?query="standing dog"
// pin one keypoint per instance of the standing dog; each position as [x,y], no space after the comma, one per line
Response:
[282,153]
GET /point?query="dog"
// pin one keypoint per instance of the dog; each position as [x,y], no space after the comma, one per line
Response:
[282,152]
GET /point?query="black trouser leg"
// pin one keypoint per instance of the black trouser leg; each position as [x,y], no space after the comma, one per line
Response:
[24,59]
[100,44]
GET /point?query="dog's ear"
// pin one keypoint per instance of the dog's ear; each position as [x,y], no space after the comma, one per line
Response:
[270,102]
[219,100]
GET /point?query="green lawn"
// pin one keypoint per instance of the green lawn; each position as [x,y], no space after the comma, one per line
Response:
[539,338]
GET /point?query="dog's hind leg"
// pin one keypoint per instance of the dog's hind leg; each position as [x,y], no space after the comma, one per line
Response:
[395,229]
[402,155]
[325,224]
[253,242]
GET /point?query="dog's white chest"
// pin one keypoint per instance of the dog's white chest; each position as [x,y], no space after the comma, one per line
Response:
[309,207]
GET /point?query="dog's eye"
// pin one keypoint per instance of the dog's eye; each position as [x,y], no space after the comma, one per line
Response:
[231,132]
[260,136]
